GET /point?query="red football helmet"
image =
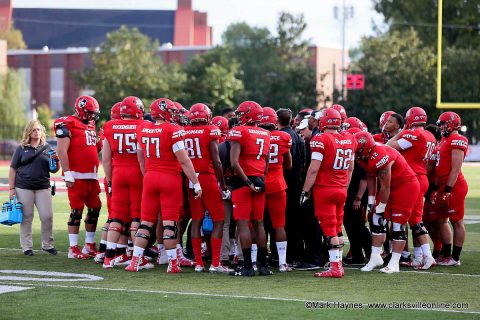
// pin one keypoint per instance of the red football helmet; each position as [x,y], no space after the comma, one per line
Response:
[199,112]
[163,109]
[415,116]
[329,118]
[448,122]
[87,108]
[249,112]
[353,130]
[181,117]
[132,107]
[221,123]
[306,110]
[353,122]
[115,112]
[365,144]
[269,117]
[340,110]
[384,117]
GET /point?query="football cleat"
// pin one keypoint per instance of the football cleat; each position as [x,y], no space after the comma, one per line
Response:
[122,260]
[375,261]
[390,269]
[264,271]
[174,266]
[333,272]
[406,262]
[75,253]
[416,262]
[242,272]
[90,249]
[427,263]
[284,268]
[199,268]
[254,266]
[184,262]
[137,264]
[162,258]
[448,262]
[108,263]
[99,257]
[219,269]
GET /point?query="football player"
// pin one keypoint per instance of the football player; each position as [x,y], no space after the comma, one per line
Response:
[275,185]
[120,151]
[341,110]
[329,175]
[451,187]
[102,248]
[399,189]
[201,145]
[383,137]
[77,151]
[250,146]
[162,157]
[416,145]
[222,124]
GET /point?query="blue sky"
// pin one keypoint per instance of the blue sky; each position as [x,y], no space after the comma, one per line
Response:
[323,29]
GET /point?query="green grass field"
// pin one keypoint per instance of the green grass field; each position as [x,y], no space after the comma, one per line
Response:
[155,294]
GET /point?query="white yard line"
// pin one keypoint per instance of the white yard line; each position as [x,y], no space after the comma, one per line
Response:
[200,294]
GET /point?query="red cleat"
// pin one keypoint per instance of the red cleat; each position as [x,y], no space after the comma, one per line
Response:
[184,262]
[90,249]
[137,264]
[333,272]
[174,266]
[75,253]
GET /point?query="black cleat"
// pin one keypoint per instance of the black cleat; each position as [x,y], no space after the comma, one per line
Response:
[305,266]
[28,253]
[51,251]
[242,272]
[264,271]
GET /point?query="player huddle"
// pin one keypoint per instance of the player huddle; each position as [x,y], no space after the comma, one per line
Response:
[185,166]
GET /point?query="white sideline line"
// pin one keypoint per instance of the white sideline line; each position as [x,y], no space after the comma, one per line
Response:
[228,296]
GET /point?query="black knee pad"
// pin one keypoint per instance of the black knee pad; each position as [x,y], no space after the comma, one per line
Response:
[374,229]
[92,215]
[400,235]
[328,242]
[170,228]
[418,230]
[126,229]
[75,218]
[136,220]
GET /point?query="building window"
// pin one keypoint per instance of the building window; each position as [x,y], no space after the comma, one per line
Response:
[56,90]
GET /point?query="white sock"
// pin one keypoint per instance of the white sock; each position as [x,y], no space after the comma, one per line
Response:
[111,245]
[73,239]
[254,253]
[138,251]
[282,252]
[161,248]
[121,245]
[130,245]
[180,250]
[395,259]
[426,249]
[334,255]
[172,254]
[103,241]
[417,251]
[376,250]
[89,237]
[405,254]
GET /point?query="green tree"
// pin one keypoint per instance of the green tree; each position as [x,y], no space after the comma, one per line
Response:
[44,115]
[127,64]
[12,111]
[399,73]
[14,38]
[213,78]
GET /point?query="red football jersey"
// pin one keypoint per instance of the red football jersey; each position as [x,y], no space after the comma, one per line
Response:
[336,151]
[444,156]
[197,145]
[381,157]
[280,143]
[122,138]
[417,146]
[101,136]
[159,143]
[82,153]
[255,144]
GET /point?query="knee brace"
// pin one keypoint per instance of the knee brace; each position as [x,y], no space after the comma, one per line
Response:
[108,221]
[340,234]
[115,229]
[142,234]
[126,229]
[104,228]
[92,215]
[400,234]
[328,241]
[170,228]
[75,218]
[419,230]
[378,224]
[136,220]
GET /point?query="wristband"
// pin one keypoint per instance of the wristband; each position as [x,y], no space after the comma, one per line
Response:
[448,189]
[197,187]
[68,176]
[371,199]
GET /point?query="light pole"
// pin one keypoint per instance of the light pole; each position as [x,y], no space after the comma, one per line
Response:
[342,14]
